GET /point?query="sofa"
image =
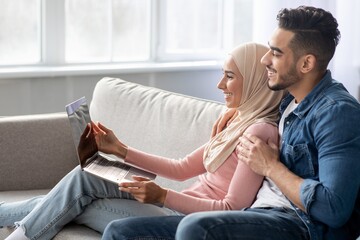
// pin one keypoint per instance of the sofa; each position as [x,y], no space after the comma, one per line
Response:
[38,150]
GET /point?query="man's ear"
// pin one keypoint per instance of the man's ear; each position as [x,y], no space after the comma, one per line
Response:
[308,63]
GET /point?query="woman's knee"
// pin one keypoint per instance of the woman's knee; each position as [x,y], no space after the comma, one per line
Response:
[78,175]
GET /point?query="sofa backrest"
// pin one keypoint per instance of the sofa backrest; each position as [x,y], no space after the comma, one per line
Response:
[154,120]
[36,151]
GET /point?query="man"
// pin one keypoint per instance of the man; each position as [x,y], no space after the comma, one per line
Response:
[311,186]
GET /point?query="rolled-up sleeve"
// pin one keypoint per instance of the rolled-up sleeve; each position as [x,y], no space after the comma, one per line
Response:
[331,198]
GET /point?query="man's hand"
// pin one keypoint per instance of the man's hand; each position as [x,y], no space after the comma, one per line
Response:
[260,156]
[223,121]
[144,190]
[263,158]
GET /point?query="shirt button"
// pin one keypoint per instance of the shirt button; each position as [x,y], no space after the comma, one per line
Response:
[287,123]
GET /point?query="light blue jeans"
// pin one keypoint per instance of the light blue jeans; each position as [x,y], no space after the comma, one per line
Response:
[81,197]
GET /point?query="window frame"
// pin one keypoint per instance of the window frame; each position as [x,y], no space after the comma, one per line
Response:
[53,32]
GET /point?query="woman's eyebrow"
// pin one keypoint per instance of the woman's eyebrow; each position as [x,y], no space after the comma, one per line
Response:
[228,71]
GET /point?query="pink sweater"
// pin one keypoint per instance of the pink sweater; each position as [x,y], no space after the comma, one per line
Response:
[232,186]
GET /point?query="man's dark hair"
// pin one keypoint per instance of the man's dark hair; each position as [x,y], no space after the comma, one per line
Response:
[315,32]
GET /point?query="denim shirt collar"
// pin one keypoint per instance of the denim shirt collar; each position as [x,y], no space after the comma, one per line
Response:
[310,99]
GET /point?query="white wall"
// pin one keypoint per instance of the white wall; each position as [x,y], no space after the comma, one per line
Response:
[51,94]
[346,64]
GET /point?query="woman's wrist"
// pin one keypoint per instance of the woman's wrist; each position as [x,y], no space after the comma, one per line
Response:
[163,196]
[122,151]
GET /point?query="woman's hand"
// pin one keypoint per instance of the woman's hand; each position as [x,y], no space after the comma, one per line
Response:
[144,190]
[87,145]
[224,120]
[107,142]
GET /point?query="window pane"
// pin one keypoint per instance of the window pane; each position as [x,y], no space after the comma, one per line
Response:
[107,30]
[192,27]
[20,32]
[243,23]
[131,30]
[87,31]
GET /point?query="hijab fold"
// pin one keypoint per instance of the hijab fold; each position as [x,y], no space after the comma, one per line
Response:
[258,104]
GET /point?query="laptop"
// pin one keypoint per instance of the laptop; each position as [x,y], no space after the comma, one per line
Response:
[91,160]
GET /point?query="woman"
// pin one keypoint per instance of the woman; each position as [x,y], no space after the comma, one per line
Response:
[221,175]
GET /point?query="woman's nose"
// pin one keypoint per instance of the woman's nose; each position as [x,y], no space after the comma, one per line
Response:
[221,84]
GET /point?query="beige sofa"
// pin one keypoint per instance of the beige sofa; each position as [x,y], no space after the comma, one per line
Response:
[36,151]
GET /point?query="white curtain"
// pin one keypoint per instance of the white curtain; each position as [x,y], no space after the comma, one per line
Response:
[345,66]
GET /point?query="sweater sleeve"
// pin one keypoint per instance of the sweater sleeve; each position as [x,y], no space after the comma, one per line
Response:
[242,189]
[180,170]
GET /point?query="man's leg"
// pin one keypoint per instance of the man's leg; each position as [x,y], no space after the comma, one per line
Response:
[259,224]
[150,228]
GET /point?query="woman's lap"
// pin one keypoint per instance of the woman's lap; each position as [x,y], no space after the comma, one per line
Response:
[100,212]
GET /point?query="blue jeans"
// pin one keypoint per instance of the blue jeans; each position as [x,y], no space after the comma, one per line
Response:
[247,224]
[81,197]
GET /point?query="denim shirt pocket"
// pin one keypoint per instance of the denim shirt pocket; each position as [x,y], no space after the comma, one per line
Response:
[298,160]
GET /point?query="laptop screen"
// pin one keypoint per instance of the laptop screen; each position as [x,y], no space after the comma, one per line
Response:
[79,117]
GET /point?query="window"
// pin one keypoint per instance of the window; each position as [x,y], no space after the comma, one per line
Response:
[190,29]
[20,32]
[69,32]
[107,30]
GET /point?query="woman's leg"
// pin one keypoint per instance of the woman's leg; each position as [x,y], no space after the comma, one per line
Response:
[101,212]
[16,211]
[66,201]
[150,228]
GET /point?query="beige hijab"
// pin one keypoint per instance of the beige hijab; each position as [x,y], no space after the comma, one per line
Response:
[258,104]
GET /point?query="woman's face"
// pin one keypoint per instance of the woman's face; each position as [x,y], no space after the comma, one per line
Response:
[231,83]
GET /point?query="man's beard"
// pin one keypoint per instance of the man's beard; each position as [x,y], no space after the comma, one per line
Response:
[286,80]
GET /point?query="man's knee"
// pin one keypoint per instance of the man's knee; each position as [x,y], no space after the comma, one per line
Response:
[112,230]
[193,226]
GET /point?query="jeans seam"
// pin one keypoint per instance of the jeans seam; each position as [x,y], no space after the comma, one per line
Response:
[113,210]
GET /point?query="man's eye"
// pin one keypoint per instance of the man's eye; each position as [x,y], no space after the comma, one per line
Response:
[276,54]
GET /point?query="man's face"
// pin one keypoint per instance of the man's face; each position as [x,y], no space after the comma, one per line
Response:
[279,61]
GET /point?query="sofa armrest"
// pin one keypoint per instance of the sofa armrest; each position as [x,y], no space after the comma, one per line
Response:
[36,151]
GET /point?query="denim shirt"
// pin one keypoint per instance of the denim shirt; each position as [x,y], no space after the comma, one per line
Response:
[321,144]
